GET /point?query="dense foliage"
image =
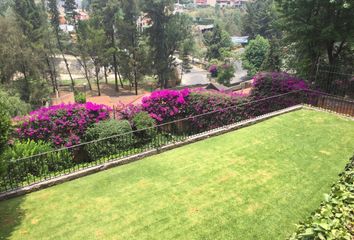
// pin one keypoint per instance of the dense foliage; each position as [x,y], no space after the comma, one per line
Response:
[18,164]
[144,124]
[112,136]
[5,126]
[317,32]
[62,124]
[334,219]
[225,74]
[80,97]
[13,105]
[255,55]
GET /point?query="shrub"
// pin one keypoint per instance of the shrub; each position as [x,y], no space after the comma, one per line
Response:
[226,73]
[80,97]
[143,121]
[255,54]
[115,135]
[12,104]
[23,159]
[5,126]
[213,69]
[334,219]
[61,124]
[275,83]
[166,105]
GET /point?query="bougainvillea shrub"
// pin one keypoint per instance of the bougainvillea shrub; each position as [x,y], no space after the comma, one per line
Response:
[275,83]
[166,105]
[63,125]
[129,111]
[213,69]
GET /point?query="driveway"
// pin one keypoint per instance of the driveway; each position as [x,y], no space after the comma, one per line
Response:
[197,76]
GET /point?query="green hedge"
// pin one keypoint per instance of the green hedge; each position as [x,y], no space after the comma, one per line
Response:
[20,164]
[145,126]
[335,218]
[115,136]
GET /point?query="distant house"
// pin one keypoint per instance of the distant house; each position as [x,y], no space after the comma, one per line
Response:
[205,28]
[231,3]
[205,3]
[239,40]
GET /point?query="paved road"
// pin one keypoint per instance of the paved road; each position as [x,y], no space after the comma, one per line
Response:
[195,77]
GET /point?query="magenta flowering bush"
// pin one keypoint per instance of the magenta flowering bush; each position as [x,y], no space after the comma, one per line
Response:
[166,105]
[213,69]
[63,125]
[275,83]
[129,111]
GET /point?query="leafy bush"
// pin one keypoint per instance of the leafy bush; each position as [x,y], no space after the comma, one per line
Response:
[143,121]
[213,69]
[80,97]
[61,124]
[23,159]
[275,83]
[255,54]
[5,126]
[115,135]
[12,104]
[226,73]
[335,218]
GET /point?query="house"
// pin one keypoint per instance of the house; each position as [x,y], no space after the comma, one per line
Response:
[205,3]
[239,40]
[231,3]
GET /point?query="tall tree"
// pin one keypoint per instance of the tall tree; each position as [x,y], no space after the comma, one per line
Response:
[216,41]
[166,33]
[106,13]
[255,55]
[55,22]
[261,19]
[29,19]
[129,39]
[317,31]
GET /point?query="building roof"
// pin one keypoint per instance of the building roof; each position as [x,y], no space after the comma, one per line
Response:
[239,40]
[217,87]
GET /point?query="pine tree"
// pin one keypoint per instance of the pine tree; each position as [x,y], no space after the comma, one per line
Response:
[166,33]
[129,39]
[105,13]
[54,20]
[216,41]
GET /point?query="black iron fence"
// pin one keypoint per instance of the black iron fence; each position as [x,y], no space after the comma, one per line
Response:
[335,80]
[35,169]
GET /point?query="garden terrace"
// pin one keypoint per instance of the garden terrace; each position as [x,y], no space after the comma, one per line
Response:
[254,183]
[190,115]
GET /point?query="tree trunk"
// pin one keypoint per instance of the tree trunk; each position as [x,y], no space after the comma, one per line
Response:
[51,74]
[97,70]
[105,74]
[64,58]
[83,64]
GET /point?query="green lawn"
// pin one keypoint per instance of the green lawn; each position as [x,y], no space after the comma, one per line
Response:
[254,183]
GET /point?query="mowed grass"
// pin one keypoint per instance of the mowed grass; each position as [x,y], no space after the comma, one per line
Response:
[254,183]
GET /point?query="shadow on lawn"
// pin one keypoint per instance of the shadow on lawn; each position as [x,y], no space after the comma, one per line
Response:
[11,215]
